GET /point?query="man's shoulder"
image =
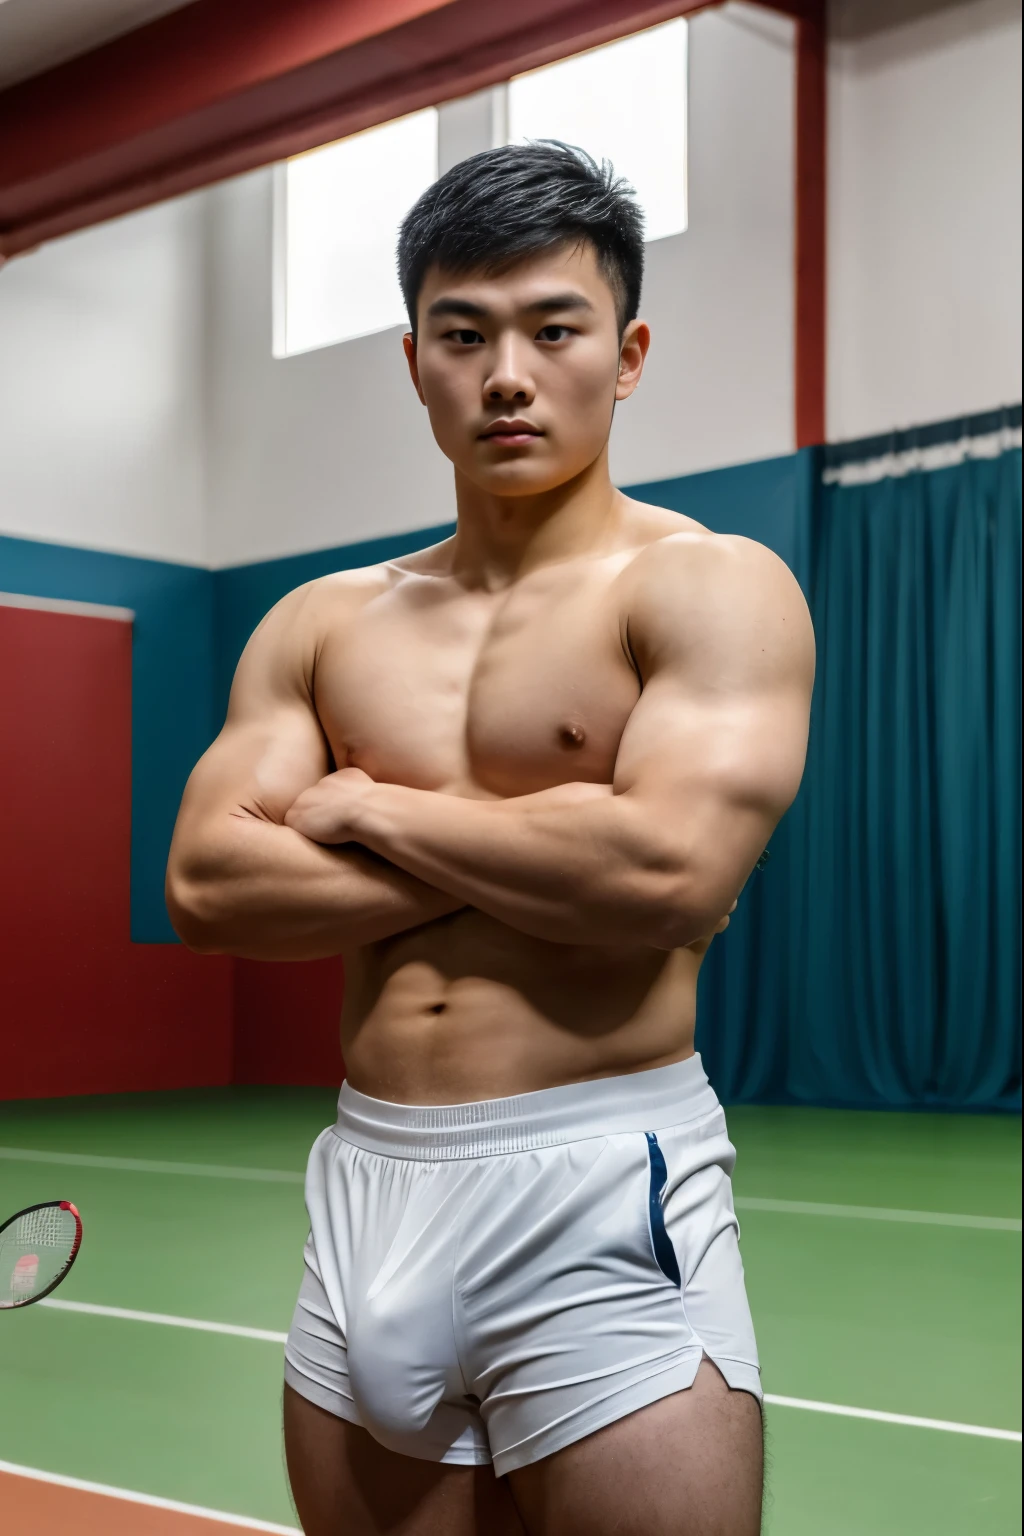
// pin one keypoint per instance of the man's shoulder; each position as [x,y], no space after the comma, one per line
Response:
[680,553]
[338,593]
[342,589]
[692,586]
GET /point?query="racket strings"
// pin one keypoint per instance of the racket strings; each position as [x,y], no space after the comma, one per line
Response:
[49,1228]
[36,1249]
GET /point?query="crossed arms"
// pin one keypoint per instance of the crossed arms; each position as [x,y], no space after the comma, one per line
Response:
[275,858]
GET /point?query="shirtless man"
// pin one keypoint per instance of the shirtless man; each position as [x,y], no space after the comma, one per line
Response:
[517,780]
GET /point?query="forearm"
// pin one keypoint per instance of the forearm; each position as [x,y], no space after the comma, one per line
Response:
[575,864]
[261,891]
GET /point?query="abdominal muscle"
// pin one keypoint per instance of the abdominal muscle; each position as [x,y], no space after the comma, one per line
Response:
[466,1008]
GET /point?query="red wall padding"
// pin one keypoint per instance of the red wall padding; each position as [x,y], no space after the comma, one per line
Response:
[84,1010]
[286,1022]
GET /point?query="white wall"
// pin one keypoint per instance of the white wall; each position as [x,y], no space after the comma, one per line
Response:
[101,387]
[718,384]
[925,211]
[332,446]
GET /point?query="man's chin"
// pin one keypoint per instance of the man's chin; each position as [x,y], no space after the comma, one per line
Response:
[518,478]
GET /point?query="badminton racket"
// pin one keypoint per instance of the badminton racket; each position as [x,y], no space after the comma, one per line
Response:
[37,1248]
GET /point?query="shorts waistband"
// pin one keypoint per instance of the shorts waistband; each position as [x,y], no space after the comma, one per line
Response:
[604,1106]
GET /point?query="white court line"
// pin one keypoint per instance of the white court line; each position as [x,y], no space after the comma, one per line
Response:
[743,1202]
[777,1402]
[893,1418]
[879,1213]
[247,1522]
[146,1165]
[164,1317]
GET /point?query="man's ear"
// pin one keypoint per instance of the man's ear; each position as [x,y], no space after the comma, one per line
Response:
[636,339]
[409,343]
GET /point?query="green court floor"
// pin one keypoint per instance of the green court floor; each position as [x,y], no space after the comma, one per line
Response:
[864,1296]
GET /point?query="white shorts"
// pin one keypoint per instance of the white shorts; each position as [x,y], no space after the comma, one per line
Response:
[488,1282]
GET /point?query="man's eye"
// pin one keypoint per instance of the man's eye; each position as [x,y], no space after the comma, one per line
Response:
[464,338]
[553,333]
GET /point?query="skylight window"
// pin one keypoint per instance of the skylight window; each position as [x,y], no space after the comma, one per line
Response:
[339,208]
[624,102]
[342,208]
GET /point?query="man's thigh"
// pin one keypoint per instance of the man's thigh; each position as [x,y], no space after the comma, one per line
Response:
[345,1484]
[688,1465]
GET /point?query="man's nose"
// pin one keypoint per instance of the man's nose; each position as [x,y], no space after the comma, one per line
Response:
[510,377]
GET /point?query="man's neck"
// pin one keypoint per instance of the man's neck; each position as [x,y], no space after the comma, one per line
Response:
[502,538]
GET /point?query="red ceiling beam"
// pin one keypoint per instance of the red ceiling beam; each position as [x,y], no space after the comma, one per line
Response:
[215,89]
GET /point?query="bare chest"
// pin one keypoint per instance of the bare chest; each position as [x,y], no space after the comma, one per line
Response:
[486,694]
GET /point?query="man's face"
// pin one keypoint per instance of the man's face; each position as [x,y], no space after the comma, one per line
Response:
[520,372]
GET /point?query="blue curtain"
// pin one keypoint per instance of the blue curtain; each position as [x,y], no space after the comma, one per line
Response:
[876,960]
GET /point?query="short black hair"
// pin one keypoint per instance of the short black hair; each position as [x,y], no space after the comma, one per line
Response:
[498,206]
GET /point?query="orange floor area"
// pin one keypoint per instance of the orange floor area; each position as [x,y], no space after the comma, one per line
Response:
[46,1509]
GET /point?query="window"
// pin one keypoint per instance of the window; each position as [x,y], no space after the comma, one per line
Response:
[337,231]
[624,102]
[339,208]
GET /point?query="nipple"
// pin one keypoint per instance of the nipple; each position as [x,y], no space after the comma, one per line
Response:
[572,735]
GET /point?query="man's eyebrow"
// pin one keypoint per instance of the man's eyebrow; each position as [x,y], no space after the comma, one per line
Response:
[467,310]
[560,301]
[459,307]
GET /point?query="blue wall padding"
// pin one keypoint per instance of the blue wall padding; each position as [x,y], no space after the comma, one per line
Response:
[191,627]
[172,686]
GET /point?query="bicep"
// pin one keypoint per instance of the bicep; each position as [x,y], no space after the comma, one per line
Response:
[259,767]
[697,760]
[714,750]
[272,746]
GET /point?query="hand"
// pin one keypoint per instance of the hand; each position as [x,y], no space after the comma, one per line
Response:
[329,811]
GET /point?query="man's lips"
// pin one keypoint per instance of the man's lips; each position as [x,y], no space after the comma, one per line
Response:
[511,434]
